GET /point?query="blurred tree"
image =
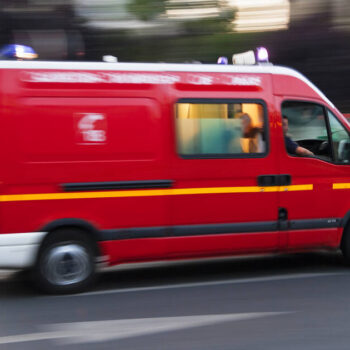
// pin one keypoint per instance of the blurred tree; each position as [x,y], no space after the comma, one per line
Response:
[196,35]
[221,24]
[146,10]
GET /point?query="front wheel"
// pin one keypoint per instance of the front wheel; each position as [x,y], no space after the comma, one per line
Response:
[66,262]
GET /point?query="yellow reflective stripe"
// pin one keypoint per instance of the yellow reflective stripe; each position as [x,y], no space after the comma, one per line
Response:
[217,190]
[339,186]
[80,195]
[150,193]
[309,187]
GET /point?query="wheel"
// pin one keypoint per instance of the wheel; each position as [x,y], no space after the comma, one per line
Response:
[345,244]
[66,262]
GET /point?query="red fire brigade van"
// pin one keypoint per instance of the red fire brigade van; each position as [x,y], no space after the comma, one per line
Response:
[116,162]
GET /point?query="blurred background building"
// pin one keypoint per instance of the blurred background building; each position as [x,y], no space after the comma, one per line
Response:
[51,27]
[312,36]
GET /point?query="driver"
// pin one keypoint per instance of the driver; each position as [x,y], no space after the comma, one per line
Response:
[291,146]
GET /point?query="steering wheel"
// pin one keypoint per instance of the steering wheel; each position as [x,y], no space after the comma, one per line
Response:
[323,147]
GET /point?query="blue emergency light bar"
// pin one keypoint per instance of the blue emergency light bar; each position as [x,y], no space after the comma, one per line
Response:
[20,52]
[262,55]
[222,60]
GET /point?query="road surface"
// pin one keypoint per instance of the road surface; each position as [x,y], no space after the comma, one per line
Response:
[299,301]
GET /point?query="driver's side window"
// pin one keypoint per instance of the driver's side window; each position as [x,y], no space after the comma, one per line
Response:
[306,129]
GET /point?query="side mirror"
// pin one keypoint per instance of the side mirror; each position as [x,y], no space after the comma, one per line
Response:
[344,151]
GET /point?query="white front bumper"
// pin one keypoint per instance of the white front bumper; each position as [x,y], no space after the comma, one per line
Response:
[19,250]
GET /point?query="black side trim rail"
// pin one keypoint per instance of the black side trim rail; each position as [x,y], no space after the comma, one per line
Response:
[245,227]
[216,229]
[116,185]
[310,224]
[187,230]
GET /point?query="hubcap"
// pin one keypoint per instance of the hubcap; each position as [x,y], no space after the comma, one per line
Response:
[67,264]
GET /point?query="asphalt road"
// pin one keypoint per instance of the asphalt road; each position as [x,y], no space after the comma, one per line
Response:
[286,302]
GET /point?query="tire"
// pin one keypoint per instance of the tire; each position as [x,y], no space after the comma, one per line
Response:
[66,262]
[345,245]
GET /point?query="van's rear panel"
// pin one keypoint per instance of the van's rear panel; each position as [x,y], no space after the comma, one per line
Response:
[61,135]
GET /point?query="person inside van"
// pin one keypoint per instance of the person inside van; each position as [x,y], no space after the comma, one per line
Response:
[252,135]
[291,146]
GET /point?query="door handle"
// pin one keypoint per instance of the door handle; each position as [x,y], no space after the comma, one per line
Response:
[274,180]
[284,180]
[267,180]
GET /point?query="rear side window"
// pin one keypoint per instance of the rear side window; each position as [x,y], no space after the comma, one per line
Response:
[219,129]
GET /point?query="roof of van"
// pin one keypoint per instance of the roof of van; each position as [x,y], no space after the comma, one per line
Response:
[161,67]
[151,67]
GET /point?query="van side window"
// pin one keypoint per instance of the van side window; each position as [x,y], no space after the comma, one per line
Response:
[340,139]
[305,128]
[220,129]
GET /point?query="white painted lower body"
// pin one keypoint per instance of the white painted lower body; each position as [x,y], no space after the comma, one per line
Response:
[19,250]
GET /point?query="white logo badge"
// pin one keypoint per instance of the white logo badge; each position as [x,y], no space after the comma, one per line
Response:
[91,128]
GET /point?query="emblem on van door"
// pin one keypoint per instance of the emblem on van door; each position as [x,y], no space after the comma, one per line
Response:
[91,128]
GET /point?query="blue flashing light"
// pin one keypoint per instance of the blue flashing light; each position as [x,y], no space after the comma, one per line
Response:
[222,60]
[20,52]
[262,55]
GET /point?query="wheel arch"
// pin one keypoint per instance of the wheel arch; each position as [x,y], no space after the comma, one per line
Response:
[73,223]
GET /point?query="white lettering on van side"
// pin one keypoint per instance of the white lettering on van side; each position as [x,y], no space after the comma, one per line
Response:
[198,79]
[64,77]
[242,80]
[139,78]
[94,136]
[111,78]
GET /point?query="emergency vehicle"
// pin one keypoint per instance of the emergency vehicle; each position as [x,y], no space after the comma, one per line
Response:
[127,162]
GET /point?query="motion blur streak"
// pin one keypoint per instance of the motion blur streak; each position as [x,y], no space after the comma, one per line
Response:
[261,15]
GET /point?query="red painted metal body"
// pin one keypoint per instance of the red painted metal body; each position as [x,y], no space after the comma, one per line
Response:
[41,151]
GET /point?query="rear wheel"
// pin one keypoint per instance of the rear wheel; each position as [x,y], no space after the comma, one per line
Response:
[66,262]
